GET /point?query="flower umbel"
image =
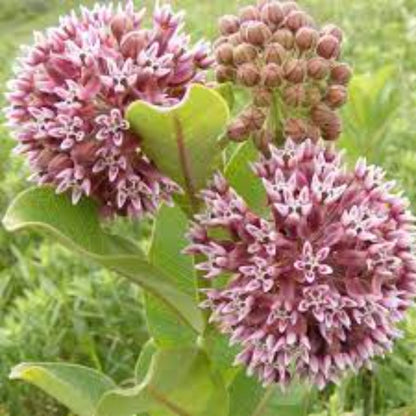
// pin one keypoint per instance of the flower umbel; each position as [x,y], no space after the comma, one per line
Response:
[71,91]
[318,285]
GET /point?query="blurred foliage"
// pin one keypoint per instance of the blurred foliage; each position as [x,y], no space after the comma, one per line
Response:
[374,103]
[53,306]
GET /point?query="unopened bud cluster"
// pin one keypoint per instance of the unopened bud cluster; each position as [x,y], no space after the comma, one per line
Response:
[276,50]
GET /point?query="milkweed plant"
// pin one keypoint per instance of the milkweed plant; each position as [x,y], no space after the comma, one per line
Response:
[272,261]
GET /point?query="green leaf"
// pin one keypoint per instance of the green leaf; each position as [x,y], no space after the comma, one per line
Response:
[373,104]
[180,382]
[246,395]
[183,140]
[166,253]
[144,361]
[78,388]
[227,92]
[222,354]
[293,402]
[242,178]
[249,398]
[78,228]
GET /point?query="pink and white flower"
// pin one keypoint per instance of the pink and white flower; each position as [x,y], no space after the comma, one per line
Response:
[68,101]
[318,284]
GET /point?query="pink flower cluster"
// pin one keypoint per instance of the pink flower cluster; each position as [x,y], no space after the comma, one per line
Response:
[318,285]
[71,91]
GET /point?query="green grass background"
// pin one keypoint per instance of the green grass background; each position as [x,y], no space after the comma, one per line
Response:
[53,306]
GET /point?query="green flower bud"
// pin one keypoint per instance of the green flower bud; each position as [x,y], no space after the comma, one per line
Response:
[296,129]
[120,25]
[297,19]
[306,38]
[229,24]
[317,68]
[328,121]
[341,73]
[313,96]
[328,47]
[333,129]
[249,13]
[224,54]
[275,53]
[235,39]
[336,96]
[256,33]
[334,31]
[294,95]
[262,97]
[248,75]
[224,73]
[294,70]
[253,117]
[244,53]
[134,42]
[220,41]
[284,37]
[289,6]
[238,131]
[321,114]
[272,75]
[272,13]
[313,132]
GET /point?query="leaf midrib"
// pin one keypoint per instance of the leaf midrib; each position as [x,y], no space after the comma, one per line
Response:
[162,399]
[185,164]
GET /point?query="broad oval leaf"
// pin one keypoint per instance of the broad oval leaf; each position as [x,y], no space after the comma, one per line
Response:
[168,241]
[221,353]
[78,388]
[295,401]
[78,228]
[227,92]
[180,382]
[183,140]
[249,398]
[246,395]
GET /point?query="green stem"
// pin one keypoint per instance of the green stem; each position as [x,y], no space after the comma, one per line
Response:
[276,117]
[223,142]
[264,401]
[202,283]
[368,405]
